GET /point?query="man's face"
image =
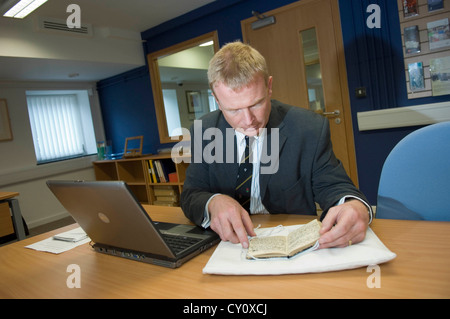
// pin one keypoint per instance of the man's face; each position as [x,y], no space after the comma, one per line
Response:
[246,109]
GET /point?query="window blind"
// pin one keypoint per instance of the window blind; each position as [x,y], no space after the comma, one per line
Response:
[56,126]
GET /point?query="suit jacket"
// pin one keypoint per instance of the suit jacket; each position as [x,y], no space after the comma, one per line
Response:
[308,170]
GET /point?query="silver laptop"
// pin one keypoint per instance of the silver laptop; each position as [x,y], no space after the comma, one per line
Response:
[118,225]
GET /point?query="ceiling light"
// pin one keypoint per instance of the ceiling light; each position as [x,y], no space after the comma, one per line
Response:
[24,8]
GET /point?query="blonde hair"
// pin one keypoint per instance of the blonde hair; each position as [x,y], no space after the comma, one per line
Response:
[236,64]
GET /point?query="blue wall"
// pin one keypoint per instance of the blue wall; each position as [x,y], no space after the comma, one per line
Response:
[127,110]
[374,60]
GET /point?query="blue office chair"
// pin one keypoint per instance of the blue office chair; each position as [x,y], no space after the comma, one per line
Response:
[415,179]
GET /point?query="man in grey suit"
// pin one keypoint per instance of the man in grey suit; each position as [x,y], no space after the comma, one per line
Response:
[293,167]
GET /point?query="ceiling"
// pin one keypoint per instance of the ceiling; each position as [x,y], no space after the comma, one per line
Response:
[130,15]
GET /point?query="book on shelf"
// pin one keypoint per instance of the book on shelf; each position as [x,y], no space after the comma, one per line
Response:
[166,195]
[173,177]
[440,75]
[438,34]
[285,245]
[410,8]
[416,76]
[434,5]
[412,39]
[159,170]
[160,191]
[152,172]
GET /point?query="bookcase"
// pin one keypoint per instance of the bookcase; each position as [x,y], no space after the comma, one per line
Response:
[154,180]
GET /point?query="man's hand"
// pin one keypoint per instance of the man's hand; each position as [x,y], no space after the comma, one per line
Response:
[229,220]
[344,223]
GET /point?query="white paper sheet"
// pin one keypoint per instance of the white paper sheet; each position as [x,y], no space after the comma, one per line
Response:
[230,259]
[56,246]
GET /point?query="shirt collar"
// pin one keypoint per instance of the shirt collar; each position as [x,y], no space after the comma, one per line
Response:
[241,136]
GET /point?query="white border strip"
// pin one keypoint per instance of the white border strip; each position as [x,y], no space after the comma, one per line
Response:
[404,116]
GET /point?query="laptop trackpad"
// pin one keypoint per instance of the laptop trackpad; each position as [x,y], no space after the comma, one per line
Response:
[184,230]
[164,226]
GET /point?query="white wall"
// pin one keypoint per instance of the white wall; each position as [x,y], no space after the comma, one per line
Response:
[18,169]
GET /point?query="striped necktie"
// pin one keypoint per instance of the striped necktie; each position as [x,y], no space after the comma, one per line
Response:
[244,178]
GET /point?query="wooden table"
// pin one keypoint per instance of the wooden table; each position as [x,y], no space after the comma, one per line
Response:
[13,203]
[421,269]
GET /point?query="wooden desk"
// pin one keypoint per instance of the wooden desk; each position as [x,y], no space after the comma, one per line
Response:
[421,269]
[13,203]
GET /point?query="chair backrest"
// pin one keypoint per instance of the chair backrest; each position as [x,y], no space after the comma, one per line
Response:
[415,179]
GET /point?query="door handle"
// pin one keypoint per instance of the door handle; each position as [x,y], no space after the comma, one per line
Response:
[335,113]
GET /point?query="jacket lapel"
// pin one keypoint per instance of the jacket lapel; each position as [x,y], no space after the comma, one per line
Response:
[228,169]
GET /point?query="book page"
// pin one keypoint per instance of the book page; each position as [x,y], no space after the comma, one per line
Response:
[260,246]
[303,237]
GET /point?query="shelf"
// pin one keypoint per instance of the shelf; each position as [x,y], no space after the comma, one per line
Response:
[163,184]
[141,193]
[105,171]
[130,171]
[136,172]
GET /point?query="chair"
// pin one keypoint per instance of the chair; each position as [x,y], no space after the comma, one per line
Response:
[415,179]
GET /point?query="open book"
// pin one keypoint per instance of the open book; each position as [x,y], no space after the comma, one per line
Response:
[298,240]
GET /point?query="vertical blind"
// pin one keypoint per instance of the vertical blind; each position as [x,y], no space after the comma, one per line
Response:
[56,126]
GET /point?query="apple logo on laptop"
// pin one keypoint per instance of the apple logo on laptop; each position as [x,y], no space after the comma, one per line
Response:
[103,218]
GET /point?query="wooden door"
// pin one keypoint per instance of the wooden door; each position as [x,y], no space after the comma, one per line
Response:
[305,56]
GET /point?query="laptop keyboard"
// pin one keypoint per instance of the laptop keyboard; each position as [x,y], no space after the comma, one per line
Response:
[179,243]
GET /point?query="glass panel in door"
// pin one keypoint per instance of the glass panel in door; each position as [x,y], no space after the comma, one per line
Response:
[312,69]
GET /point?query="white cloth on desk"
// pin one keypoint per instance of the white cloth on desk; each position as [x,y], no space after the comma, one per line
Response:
[230,259]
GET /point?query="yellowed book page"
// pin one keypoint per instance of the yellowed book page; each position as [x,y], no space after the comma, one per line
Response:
[303,237]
